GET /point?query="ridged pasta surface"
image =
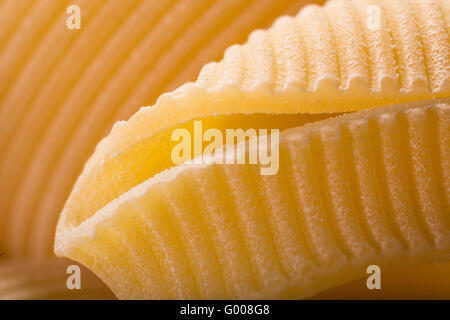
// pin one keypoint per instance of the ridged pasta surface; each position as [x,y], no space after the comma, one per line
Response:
[351,191]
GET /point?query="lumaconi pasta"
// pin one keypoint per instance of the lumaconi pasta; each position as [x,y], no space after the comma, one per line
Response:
[372,80]
[352,190]
[362,187]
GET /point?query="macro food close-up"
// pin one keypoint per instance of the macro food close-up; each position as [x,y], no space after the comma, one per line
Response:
[224,150]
